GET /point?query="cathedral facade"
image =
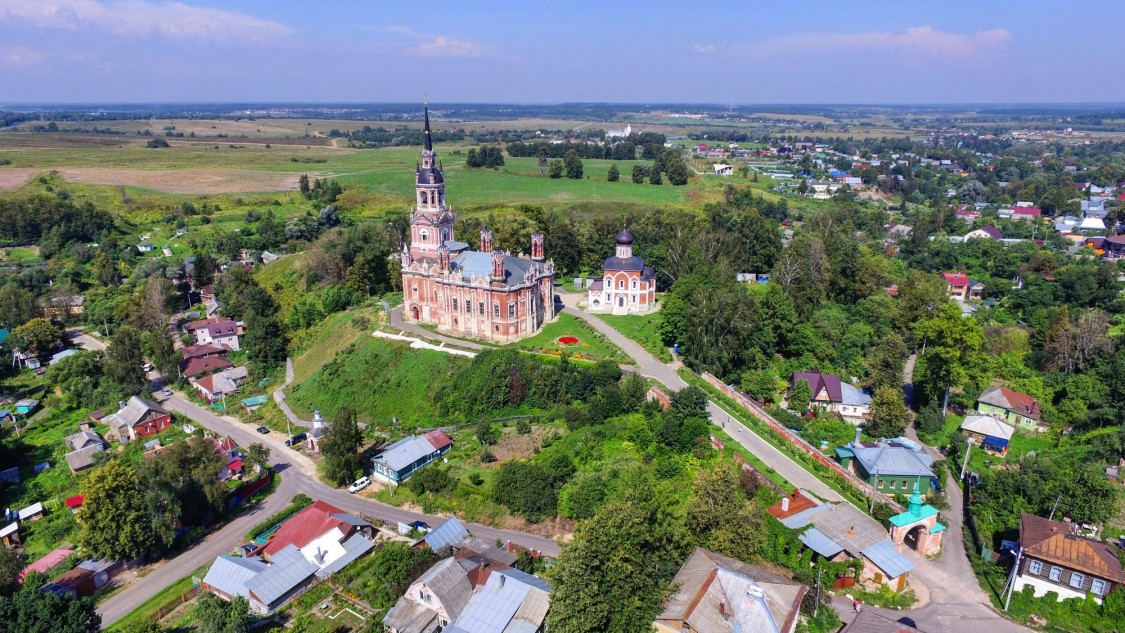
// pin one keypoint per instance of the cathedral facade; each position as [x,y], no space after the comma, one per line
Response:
[485,293]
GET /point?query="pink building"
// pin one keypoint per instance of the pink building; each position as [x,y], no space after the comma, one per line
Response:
[483,294]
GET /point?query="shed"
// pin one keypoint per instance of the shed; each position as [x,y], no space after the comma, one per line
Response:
[10,534]
[32,512]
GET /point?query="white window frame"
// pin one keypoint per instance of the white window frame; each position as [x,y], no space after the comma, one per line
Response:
[1099,587]
[425,235]
[1055,573]
[1035,567]
[1079,577]
[511,309]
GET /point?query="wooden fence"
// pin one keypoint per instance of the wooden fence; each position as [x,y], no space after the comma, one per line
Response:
[174,603]
[797,441]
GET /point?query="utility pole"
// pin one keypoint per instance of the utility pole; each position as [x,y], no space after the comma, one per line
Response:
[817,607]
[965,462]
[1055,507]
[1011,584]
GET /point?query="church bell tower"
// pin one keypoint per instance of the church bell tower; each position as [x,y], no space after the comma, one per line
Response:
[431,222]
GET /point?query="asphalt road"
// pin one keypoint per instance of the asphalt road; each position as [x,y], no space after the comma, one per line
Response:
[297,476]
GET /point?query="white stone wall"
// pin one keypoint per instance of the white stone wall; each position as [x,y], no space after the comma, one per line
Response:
[1042,587]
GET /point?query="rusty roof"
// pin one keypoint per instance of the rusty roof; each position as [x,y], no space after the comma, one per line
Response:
[798,502]
[1055,542]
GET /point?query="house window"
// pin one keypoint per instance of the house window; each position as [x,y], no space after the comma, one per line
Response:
[1077,580]
[480,308]
[1035,567]
[442,622]
[1055,574]
[424,596]
[621,284]
[455,304]
[1098,587]
[425,234]
[496,309]
[511,310]
[634,284]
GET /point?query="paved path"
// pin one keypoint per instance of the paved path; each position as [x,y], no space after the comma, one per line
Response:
[397,322]
[86,341]
[651,367]
[279,397]
[297,476]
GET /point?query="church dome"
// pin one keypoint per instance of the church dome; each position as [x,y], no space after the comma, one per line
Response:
[624,238]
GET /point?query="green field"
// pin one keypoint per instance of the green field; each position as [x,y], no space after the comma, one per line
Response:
[643,330]
[379,380]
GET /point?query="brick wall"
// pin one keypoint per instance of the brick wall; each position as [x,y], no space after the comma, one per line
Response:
[655,393]
[756,474]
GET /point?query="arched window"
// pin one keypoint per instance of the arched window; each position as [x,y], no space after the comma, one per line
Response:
[496,309]
[455,307]
[634,284]
[415,292]
[480,308]
[511,309]
[425,235]
[444,235]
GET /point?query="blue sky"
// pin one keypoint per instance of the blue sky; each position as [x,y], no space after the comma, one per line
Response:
[870,51]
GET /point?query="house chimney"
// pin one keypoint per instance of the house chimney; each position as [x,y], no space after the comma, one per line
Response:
[723,609]
[851,531]
[485,241]
[785,504]
[502,579]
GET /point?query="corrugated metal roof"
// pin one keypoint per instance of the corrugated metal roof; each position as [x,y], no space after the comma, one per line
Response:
[447,534]
[229,574]
[815,540]
[894,460]
[449,584]
[803,518]
[988,425]
[356,546]
[884,555]
[9,529]
[288,569]
[493,607]
[405,452]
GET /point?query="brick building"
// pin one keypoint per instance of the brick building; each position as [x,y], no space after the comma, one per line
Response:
[628,286]
[485,294]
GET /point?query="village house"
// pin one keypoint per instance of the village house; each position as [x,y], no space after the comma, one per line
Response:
[483,294]
[841,532]
[723,170]
[202,366]
[627,285]
[137,418]
[464,595]
[215,331]
[987,232]
[718,594]
[84,447]
[988,432]
[72,305]
[1018,409]
[832,393]
[961,287]
[1053,557]
[399,460]
[890,467]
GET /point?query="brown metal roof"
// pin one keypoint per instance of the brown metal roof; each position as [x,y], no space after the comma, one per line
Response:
[1055,542]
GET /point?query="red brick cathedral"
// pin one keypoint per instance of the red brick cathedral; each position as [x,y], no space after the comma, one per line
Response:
[485,294]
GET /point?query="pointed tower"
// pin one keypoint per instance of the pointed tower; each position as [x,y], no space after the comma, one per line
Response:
[431,223]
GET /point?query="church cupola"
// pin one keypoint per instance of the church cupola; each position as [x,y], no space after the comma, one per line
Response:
[624,244]
[537,246]
[431,222]
[485,241]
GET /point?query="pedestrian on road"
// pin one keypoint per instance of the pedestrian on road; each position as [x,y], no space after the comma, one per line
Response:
[856,606]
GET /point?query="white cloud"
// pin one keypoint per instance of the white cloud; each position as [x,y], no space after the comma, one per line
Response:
[124,18]
[707,49]
[20,57]
[919,39]
[427,45]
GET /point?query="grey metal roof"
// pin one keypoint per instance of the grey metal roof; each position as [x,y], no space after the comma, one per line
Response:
[350,519]
[625,263]
[867,621]
[988,425]
[136,408]
[493,607]
[853,396]
[405,452]
[408,616]
[449,533]
[449,583]
[803,518]
[894,460]
[83,457]
[815,540]
[356,546]
[288,569]
[887,558]
[479,264]
[849,527]
[229,574]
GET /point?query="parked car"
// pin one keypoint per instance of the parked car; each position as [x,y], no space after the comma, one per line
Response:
[359,484]
[262,429]
[296,439]
[166,391]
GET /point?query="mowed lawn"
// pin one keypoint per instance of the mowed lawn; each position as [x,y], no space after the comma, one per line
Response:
[642,329]
[591,344]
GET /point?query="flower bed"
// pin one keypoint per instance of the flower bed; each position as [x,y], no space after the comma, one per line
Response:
[568,340]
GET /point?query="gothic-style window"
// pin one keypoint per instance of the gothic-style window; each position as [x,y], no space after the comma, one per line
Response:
[511,310]
[496,309]
[425,235]
[415,292]
[454,304]
[634,284]
[480,308]
[621,284]
[444,235]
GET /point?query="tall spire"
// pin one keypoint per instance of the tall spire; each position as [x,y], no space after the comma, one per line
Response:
[428,144]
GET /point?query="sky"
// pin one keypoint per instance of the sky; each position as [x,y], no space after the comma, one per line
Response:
[552,51]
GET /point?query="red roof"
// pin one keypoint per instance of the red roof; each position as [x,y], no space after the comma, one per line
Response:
[205,365]
[1033,211]
[957,279]
[1021,403]
[305,526]
[235,465]
[1121,196]
[798,502]
[48,561]
[438,439]
[197,351]
[75,501]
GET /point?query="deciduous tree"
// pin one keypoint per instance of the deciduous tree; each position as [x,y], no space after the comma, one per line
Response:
[340,448]
[114,520]
[889,415]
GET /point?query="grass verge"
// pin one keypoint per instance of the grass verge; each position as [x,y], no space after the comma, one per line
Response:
[147,609]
